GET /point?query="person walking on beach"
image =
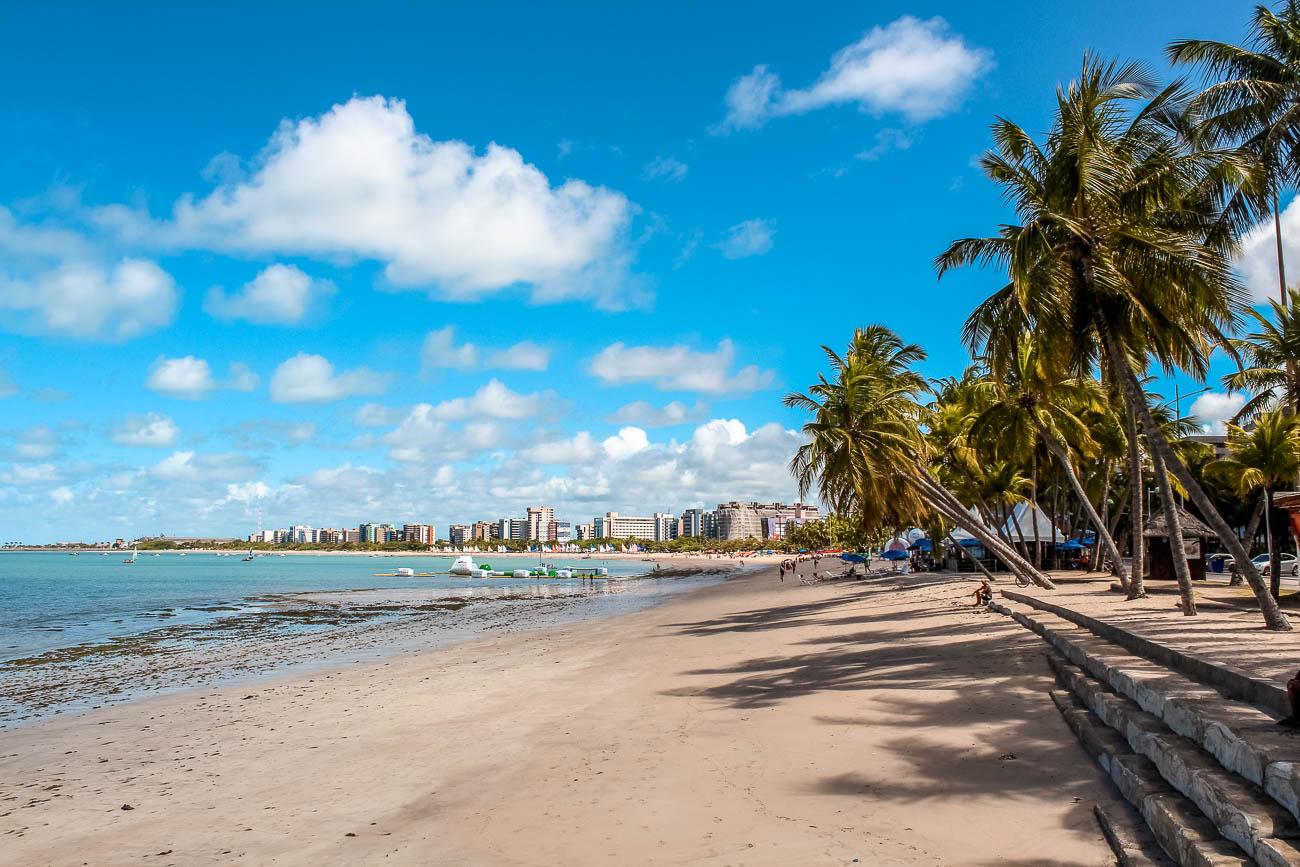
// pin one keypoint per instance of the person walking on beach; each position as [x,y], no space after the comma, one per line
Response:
[782,568]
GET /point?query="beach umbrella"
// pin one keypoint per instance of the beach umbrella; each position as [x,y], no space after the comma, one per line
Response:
[921,545]
[895,555]
[853,558]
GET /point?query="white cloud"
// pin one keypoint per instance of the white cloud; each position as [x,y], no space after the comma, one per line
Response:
[85,300]
[524,355]
[152,430]
[668,168]
[279,295]
[376,415]
[188,466]
[495,400]
[440,351]
[1257,260]
[750,238]
[190,378]
[913,68]
[886,140]
[8,388]
[678,368]
[360,182]
[267,433]
[627,442]
[241,378]
[36,442]
[311,379]
[645,414]
[562,451]
[1214,409]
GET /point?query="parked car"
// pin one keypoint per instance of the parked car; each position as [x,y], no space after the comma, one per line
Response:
[1288,564]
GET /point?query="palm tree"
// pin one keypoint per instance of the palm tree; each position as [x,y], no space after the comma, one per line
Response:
[1036,403]
[1272,359]
[1123,250]
[866,454]
[1268,457]
[1256,102]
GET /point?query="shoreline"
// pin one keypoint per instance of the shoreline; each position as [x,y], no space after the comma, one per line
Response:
[265,637]
[747,722]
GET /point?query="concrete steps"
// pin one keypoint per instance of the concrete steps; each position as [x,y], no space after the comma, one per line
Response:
[1243,738]
[1215,779]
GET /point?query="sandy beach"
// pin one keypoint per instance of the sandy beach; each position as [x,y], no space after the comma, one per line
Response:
[752,722]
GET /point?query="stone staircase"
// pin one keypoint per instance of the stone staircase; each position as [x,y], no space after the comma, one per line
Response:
[1212,775]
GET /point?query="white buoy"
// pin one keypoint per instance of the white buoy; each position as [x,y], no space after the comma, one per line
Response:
[563,573]
[603,572]
[520,573]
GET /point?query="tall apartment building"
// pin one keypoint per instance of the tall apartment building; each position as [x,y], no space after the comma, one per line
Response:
[372,532]
[460,534]
[352,536]
[539,518]
[422,533]
[515,529]
[559,531]
[747,520]
[302,534]
[693,522]
[485,530]
[616,526]
[586,531]
[665,527]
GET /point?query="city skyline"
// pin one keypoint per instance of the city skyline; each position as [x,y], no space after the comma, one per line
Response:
[520,294]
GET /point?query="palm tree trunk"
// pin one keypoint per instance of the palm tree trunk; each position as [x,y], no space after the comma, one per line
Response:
[1277,235]
[1174,526]
[1102,530]
[943,501]
[1137,579]
[1033,500]
[1103,537]
[1252,527]
[978,565]
[1274,549]
[1273,616]
[1020,533]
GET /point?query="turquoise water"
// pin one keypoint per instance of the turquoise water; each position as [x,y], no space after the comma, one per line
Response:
[51,600]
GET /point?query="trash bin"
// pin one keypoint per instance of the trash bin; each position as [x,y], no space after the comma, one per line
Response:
[1216,564]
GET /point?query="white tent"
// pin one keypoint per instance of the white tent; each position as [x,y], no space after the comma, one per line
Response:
[1022,521]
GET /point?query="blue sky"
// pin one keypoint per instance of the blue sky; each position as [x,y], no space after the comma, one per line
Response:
[401,263]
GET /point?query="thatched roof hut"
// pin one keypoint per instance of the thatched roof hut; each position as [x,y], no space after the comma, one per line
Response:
[1193,527]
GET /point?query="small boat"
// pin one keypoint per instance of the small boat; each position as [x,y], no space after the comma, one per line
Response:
[405,572]
[250,555]
[135,552]
[463,566]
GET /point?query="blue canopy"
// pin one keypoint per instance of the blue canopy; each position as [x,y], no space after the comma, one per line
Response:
[895,555]
[853,558]
[921,545]
[971,543]
[1088,538]
[1071,545]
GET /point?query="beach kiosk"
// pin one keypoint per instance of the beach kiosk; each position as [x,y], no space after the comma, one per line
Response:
[1159,559]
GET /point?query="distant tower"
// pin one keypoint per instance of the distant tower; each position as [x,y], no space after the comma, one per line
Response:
[259,525]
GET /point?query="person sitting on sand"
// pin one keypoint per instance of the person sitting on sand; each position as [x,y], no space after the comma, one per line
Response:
[983,594]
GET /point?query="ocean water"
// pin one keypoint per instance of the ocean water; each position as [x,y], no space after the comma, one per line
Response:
[51,600]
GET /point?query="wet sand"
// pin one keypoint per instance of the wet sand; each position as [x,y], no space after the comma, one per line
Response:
[752,722]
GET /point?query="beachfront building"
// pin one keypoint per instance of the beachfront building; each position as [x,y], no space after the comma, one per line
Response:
[485,530]
[515,529]
[616,526]
[372,533]
[422,533]
[586,531]
[747,520]
[460,534]
[692,522]
[560,531]
[665,527]
[539,519]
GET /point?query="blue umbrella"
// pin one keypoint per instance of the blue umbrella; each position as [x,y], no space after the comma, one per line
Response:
[895,555]
[971,543]
[853,558]
[921,545]
[1071,545]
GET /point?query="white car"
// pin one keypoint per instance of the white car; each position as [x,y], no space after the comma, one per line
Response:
[1288,564]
